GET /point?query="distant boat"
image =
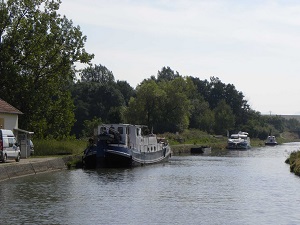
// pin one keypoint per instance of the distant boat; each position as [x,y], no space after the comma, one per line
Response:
[271,140]
[239,141]
[125,145]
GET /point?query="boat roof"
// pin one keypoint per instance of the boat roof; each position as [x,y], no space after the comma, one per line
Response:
[121,125]
[238,135]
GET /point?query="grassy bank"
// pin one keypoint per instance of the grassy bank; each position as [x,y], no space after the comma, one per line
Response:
[180,143]
[55,147]
[294,161]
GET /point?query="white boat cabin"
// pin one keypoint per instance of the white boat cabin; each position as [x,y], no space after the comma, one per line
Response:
[135,137]
[239,137]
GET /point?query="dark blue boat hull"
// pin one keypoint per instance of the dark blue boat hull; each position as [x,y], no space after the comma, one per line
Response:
[123,157]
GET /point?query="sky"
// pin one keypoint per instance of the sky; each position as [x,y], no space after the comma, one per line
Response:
[252,44]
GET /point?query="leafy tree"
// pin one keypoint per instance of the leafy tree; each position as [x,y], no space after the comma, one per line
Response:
[38,50]
[89,126]
[164,105]
[94,100]
[145,108]
[97,73]
[203,87]
[97,95]
[277,121]
[202,117]
[224,118]
[217,92]
[126,90]
[293,125]
[177,105]
[166,74]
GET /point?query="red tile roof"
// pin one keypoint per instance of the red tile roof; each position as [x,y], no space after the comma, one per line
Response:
[7,108]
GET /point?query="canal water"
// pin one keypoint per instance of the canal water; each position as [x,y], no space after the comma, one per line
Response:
[232,187]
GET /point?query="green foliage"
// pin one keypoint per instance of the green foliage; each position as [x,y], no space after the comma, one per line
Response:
[176,107]
[146,107]
[90,126]
[164,105]
[38,50]
[173,103]
[97,73]
[97,95]
[126,90]
[194,137]
[166,74]
[224,118]
[294,161]
[44,147]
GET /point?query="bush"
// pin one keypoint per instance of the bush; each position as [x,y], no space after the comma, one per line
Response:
[294,161]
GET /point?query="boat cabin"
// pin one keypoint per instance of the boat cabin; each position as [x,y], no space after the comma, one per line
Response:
[135,137]
[240,135]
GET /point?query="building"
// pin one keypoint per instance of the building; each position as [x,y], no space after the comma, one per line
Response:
[9,116]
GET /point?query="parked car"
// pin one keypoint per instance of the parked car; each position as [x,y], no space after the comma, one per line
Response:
[9,148]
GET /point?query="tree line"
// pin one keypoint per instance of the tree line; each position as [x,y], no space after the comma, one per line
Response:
[38,52]
[169,102]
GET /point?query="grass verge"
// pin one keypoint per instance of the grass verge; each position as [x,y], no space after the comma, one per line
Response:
[55,147]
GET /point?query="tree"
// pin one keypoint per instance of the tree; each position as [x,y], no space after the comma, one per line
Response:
[126,90]
[224,118]
[97,73]
[203,87]
[166,74]
[38,51]
[177,105]
[217,92]
[277,121]
[89,126]
[146,107]
[94,100]
[202,117]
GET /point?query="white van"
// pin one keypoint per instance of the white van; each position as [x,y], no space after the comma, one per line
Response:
[9,148]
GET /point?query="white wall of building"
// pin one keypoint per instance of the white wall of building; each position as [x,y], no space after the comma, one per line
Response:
[10,121]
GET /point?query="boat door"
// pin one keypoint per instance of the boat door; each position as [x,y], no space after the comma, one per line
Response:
[134,137]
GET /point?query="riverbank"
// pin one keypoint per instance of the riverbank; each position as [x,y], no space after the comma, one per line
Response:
[31,166]
[219,143]
[219,146]
[294,162]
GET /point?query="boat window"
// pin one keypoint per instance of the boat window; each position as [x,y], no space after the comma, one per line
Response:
[120,130]
[111,130]
[151,149]
[145,131]
[103,130]
[154,148]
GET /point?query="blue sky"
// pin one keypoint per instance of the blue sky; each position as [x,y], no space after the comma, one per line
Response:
[254,45]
